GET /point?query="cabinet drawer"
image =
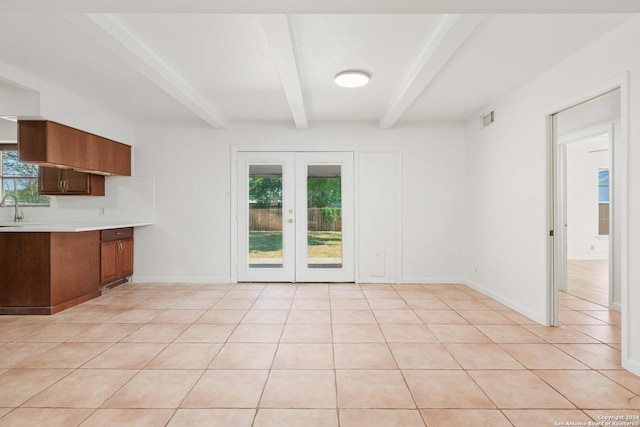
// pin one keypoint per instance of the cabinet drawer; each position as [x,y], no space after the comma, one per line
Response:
[116,234]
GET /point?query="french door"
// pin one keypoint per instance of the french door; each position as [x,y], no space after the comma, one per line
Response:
[295,217]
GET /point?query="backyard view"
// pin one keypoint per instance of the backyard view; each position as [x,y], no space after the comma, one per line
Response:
[266,246]
[324,219]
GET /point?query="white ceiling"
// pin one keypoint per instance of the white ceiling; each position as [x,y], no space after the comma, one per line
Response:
[197,63]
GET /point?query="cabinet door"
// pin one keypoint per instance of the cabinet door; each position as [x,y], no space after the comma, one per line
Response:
[108,261]
[125,258]
[76,182]
[49,181]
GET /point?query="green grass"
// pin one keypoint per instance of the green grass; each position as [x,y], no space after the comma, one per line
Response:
[322,244]
[265,244]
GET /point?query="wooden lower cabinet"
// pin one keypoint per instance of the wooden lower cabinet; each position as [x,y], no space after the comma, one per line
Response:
[47,272]
[116,259]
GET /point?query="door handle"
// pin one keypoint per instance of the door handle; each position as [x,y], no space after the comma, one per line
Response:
[290,220]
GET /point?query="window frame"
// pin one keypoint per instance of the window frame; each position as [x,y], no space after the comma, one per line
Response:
[604,215]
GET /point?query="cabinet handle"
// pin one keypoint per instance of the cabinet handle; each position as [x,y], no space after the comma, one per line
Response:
[119,247]
[61,185]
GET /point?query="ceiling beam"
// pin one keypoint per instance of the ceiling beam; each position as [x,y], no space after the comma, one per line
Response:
[281,41]
[115,37]
[450,34]
[315,6]
[18,78]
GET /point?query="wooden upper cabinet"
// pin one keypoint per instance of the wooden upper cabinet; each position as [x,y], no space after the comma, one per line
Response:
[61,182]
[52,144]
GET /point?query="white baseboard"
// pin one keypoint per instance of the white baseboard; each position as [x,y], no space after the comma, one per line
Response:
[536,317]
[433,280]
[616,306]
[180,279]
[375,280]
[631,365]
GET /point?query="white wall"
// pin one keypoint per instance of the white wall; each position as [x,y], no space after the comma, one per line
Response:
[584,159]
[190,240]
[16,101]
[8,131]
[507,181]
[65,107]
[433,231]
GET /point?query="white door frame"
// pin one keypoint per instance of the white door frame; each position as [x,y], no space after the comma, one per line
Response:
[620,199]
[286,273]
[347,271]
[290,148]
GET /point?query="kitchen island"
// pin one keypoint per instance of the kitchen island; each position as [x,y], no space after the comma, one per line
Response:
[48,267]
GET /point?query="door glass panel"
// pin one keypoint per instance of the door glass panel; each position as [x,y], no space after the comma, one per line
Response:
[265,216]
[324,216]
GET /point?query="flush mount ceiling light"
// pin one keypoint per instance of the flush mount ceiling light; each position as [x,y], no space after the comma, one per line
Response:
[352,78]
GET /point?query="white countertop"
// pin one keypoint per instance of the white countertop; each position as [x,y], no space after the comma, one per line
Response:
[62,227]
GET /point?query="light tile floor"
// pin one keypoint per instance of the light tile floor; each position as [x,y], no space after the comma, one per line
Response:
[311,355]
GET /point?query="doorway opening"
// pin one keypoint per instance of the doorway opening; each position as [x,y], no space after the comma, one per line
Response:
[295,217]
[586,264]
[588,197]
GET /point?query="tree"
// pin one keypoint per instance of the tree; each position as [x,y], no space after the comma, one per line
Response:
[324,192]
[266,192]
[21,179]
[326,195]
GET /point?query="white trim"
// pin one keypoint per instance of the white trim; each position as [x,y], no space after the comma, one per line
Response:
[621,227]
[536,317]
[180,279]
[631,365]
[619,235]
[356,216]
[551,309]
[313,6]
[278,30]
[591,131]
[233,197]
[346,273]
[433,280]
[287,272]
[398,217]
[297,148]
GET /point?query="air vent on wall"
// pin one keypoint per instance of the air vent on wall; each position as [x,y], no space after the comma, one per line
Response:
[487,119]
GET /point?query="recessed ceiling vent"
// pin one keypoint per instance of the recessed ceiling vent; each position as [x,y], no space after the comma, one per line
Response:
[487,119]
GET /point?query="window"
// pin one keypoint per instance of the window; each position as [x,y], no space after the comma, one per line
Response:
[20,180]
[603,202]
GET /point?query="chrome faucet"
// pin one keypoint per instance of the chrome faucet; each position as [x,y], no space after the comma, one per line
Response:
[16,217]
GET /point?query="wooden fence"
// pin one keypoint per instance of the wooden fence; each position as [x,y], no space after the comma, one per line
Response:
[270,219]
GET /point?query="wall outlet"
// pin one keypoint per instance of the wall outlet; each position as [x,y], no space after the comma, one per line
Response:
[103,210]
[592,248]
[475,270]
